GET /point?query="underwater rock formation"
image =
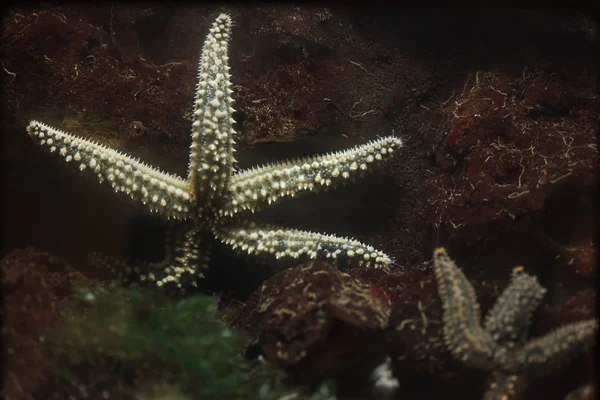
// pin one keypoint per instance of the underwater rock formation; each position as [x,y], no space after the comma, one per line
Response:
[317,322]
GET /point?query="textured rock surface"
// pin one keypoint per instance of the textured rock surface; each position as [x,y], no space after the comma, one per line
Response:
[33,283]
[317,322]
[521,147]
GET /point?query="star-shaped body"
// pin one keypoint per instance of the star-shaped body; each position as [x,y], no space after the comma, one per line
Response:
[501,344]
[215,202]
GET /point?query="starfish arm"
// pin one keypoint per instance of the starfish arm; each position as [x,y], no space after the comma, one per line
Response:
[211,154]
[500,385]
[255,188]
[160,192]
[510,317]
[550,352]
[463,335]
[187,253]
[260,239]
[119,266]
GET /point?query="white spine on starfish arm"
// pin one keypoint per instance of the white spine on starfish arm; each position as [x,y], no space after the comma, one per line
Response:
[253,238]
[257,187]
[211,155]
[161,192]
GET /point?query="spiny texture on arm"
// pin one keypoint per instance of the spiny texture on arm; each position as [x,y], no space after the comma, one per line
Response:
[550,352]
[258,239]
[211,155]
[502,347]
[509,319]
[463,334]
[159,191]
[257,187]
[186,256]
[504,386]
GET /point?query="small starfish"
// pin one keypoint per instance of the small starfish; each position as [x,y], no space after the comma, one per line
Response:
[214,201]
[501,345]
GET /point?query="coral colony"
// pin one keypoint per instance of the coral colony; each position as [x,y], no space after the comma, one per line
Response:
[215,201]
[501,344]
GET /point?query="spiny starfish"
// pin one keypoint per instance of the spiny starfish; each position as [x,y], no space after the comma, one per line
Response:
[215,200]
[501,345]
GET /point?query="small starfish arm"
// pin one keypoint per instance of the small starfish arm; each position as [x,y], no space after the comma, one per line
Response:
[550,352]
[509,319]
[463,334]
[255,188]
[261,239]
[159,191]
[500,385]
[211,156]
[187,254]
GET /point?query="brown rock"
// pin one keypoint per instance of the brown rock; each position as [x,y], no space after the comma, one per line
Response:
[317,322]
[33,282]
[523,149]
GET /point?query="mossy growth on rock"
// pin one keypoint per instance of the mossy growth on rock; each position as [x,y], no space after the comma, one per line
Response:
[118,342]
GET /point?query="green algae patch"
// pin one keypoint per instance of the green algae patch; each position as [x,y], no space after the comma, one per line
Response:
[127,340]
